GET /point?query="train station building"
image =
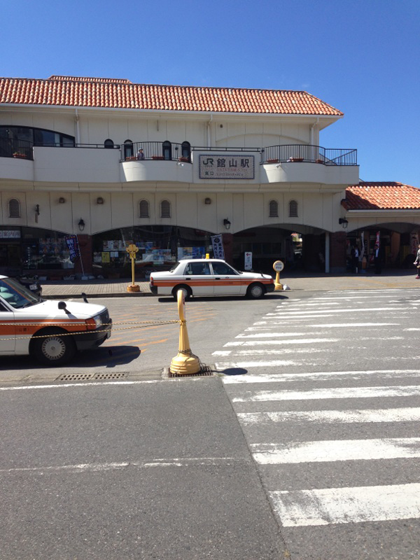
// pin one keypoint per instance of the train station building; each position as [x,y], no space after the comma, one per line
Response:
[90,165]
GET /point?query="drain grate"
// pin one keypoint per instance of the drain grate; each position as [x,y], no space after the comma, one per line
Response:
[92,376]
[75,377]
[205,371]
[113,375]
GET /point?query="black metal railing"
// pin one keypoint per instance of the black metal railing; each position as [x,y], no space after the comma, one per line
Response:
[10,147]
[309,154]
[173,151]
[163,151]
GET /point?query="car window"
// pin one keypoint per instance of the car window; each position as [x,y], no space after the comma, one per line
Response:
[198,268]
[222,268]
[16,295]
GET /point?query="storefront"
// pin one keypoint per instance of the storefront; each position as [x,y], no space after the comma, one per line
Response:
[25,250]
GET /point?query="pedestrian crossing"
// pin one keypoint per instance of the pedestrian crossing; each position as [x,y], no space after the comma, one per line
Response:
[327,392]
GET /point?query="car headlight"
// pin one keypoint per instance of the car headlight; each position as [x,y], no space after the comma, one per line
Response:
[98,321]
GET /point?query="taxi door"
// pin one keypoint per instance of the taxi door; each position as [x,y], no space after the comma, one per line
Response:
[7,330]
[227,282]
[198,276]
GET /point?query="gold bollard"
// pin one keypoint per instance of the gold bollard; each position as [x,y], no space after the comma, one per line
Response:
[132,251]
[278,266]
[184,363]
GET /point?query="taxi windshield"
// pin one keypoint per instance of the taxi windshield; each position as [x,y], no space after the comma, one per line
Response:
[16,294]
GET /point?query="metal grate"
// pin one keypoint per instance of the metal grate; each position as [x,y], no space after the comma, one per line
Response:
[205,371]
[92,376]
[113,375]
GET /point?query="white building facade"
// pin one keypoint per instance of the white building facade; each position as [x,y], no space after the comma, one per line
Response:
[245,164]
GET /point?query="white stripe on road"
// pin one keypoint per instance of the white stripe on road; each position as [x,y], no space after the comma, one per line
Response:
[332,416]
[271,363]
[350,310]
[95,467]
[318,376]
[338,450]
[266,352]
[303,508]
[335,393]
[268,342]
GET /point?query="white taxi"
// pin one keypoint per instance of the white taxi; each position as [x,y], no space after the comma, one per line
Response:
[209,277]
[49,330]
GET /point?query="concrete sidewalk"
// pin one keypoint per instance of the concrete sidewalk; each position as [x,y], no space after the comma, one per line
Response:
[295,281]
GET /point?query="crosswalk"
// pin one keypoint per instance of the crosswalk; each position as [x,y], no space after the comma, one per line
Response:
[327,391]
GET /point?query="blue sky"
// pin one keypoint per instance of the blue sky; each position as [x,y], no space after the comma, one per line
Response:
[361,56]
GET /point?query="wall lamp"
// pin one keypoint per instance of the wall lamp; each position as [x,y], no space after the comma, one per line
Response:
[81,224]
[207,201]
[61,200]
[226,223]
[37,212]
[100,200]
[343,222]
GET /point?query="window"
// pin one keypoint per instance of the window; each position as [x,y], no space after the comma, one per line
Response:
[108,143]
[165,209]
[222,268]
[186,150]
[21,139]
[144,209]
[196,269]
[128,149]
[14,208]
[293,209]
[274,209]
[167,150]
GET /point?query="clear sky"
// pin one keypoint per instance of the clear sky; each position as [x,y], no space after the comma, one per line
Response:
[361,56]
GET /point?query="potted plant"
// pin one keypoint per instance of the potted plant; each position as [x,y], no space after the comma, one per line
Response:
[158,157]
[272,161]
[20,155]
[185,159]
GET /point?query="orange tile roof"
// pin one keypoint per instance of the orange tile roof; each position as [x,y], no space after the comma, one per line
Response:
[382,196]
[109,93]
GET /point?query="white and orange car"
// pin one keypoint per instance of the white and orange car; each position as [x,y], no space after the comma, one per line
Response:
[209,277]
[49,330]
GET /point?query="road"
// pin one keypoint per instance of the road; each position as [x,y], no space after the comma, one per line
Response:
[306,448]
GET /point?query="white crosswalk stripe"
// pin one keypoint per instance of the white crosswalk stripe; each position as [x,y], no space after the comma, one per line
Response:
[301,405]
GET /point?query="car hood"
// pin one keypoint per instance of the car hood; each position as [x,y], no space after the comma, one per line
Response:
[49,309]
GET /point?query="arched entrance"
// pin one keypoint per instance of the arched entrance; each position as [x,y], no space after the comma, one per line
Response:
[299,247]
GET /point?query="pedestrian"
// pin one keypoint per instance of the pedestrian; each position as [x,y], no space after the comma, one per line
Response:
[417,263]
[355,259]
[140,154]
[377,259]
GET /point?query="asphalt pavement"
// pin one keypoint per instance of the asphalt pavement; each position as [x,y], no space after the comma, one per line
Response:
[293,281]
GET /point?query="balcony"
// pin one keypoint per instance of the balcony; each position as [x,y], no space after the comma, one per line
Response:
[298,153]
[170,162]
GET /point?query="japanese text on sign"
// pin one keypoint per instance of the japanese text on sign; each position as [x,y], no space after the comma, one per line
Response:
[225,166]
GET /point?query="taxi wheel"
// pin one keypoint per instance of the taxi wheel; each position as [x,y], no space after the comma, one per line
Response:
[186,289]
[255,291]
[53,350]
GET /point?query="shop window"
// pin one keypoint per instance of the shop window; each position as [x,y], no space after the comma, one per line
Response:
[144,209]
[293,209]
[108,143]
[165,209]
[274,209]
[128,149]
[186,150]
[167,150]
[14,208]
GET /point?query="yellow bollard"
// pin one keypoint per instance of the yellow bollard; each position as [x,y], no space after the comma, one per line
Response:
[278,266]
[132,251]
[184,363]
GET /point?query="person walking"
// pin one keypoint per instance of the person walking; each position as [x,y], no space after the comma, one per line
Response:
[417,263]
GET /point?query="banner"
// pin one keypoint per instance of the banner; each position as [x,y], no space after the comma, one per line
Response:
[73,246]
[217,244]
[248,260]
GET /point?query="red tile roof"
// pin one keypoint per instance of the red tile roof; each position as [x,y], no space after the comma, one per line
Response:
[382,196]
[109,93]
